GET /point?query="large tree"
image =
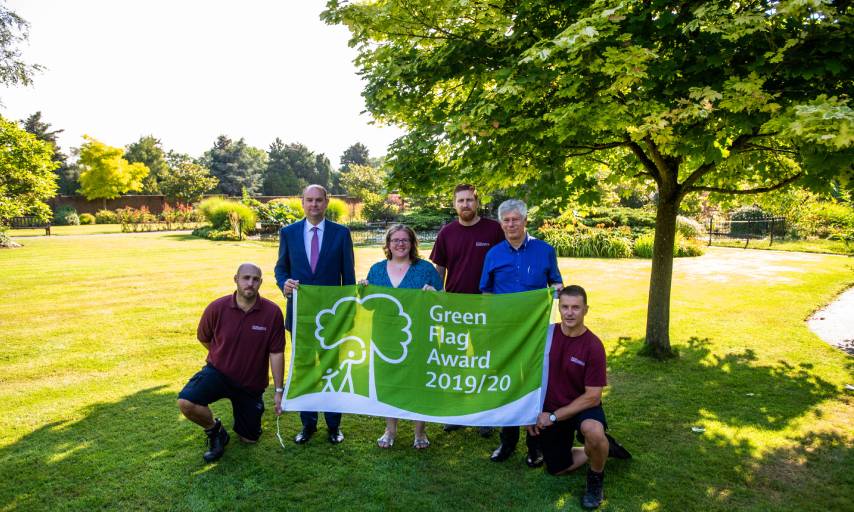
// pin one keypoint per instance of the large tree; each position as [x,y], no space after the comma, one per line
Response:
[187,182]
[66,173]
[236,165]
[148,150]
[104,174]
[293,166]
[14,30]
[543,98]
[26,173]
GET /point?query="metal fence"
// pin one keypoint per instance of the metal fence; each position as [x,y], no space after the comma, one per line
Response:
[750,229]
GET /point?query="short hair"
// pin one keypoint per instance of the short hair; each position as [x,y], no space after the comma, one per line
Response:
[573,290]
[512,205]
[315,185]
[413,241]
[466,186]
[250,265]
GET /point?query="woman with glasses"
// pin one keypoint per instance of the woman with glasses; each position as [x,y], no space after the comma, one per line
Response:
[402,268]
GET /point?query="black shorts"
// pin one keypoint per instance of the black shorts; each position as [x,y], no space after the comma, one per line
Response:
[209,385]
[556,440]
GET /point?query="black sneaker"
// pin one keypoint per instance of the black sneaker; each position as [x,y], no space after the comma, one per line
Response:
[594,493]
[616,450]
[217,439]
[502,453]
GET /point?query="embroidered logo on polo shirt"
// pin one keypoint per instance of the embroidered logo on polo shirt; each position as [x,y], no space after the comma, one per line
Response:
[258,328]
[481,244]
[577,361]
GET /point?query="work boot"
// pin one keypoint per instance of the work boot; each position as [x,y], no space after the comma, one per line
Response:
[594,493]
[217,439]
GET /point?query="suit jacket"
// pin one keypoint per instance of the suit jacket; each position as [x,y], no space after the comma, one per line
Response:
[335,263]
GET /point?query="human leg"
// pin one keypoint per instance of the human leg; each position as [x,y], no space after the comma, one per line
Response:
[309,426]
[509,439]
[248,408]
[333,422]
[387,439]
[205,387]
[421,442]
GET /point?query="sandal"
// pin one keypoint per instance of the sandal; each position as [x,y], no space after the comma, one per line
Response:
[386,441]
[421,443]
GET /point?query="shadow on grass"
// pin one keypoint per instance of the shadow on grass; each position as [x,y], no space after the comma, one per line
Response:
[138,454]
[182,237]
[742,405]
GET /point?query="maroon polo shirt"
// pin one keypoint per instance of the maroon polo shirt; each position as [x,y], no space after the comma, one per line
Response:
[241,343]
[574,362]
[462,249]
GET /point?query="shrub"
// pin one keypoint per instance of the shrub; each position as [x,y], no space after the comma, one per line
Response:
[377,208]
[337,210]
[635,218]
[66,216]
[827,219]
[593,243]
[294,203]
[216,211]
[106,217]
[424,219]
[689,228]
[681,248]
[87,218]
[643,245]
[215,234]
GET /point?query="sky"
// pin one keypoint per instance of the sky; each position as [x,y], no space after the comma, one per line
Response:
[187,71]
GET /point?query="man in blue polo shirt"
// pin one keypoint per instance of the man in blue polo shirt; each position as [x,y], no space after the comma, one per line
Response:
[519,263]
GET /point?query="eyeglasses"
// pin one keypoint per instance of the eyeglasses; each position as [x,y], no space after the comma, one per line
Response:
[399,241]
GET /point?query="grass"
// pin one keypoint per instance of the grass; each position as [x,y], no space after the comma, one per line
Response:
[815,246]
[98,336]
[90,229]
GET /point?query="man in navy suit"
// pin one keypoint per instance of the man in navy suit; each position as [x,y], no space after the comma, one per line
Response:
[319,252]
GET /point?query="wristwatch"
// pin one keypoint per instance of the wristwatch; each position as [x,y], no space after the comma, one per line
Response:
[553,418]
[280,390]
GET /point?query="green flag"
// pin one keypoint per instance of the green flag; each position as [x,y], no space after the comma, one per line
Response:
[425,355]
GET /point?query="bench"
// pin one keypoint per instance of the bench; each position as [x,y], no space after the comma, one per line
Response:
[30,222]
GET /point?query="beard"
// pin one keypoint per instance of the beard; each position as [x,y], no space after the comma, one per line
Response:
[467,215]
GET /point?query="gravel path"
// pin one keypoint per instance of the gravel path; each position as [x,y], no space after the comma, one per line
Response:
[835,323]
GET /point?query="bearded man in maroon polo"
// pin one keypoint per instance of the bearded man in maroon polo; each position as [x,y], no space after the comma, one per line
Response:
[460,249]
[241,332]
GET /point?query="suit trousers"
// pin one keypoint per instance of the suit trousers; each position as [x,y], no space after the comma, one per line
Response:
[510,438]
[309,419]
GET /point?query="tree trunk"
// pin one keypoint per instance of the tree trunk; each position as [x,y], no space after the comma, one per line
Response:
[657,342]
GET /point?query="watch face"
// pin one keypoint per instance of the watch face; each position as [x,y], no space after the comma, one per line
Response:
[552,418]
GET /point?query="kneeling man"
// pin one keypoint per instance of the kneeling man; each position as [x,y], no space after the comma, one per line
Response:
[241,332]
[573,404]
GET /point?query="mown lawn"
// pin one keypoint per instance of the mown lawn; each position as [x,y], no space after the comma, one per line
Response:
[88,229]
[817,246]
[98,336]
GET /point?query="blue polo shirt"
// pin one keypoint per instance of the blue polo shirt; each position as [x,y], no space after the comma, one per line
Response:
[531,267]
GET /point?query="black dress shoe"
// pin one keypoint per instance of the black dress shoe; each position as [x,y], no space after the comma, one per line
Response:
[534,458]
[501,453]
[304,435]
[336,436]
[616,450]
[217,439]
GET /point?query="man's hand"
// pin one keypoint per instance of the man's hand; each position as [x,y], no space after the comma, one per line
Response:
[363,282]
[428,287]
[277,399]
[289,287]
[533,430]
[543,420]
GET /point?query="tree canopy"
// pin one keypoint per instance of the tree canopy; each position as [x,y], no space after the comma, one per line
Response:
[66,173]
[14,30]
[26,173]
[148,150]
[236,165]
[104,174]
[543,99]
[187,182]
